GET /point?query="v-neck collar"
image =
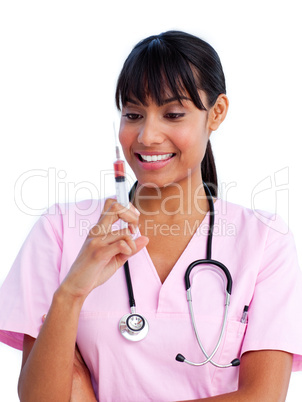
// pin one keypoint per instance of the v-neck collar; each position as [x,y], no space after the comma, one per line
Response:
[194,239]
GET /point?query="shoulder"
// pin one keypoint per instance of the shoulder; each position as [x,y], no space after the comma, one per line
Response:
[247,219]
[257,234]
[76,217]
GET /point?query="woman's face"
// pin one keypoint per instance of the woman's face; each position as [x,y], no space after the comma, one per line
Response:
[164,144]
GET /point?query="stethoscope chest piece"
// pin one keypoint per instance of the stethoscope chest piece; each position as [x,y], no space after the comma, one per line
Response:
[134,327]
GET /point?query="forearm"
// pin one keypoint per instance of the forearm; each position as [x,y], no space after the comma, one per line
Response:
[264,376]
[47,373]
[47,367]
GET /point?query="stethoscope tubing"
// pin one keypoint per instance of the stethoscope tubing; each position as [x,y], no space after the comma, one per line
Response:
[208,260]
[129,287]
[208,357]
[211,262]
[124,327]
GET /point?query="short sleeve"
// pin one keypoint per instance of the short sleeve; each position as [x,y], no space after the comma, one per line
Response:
[27,292]
[275,313]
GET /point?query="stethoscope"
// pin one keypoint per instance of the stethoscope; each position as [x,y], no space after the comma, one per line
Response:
[135,327]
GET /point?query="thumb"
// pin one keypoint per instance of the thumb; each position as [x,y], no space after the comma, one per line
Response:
[140,243]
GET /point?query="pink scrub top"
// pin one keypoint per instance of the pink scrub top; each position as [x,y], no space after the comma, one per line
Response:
[262,259]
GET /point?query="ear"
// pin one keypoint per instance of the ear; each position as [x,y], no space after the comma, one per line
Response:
[218,112]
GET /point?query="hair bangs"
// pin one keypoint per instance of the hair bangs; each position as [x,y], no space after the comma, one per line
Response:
[157,71]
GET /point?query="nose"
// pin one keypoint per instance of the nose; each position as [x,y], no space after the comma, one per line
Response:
[150,132]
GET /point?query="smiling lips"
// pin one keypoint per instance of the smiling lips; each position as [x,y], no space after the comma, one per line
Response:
[154,158]
[154,161]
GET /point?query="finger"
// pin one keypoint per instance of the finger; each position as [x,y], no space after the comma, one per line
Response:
[101,251]
[103,231]
[140,243]
[123,237]
[117,211]
[119,247]
[107,205]
[104,239]
[133,228]
[43,319]
[113,211]
[109,201]
[125,246]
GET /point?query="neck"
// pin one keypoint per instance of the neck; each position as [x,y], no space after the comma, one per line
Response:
[173,201]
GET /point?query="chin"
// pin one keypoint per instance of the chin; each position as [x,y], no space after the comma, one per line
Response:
[154,182]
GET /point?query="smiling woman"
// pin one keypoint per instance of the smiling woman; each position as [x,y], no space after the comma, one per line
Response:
[172,95]
[155,138]
[175,76]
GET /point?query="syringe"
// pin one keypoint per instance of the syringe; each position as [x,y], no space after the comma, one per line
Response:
[120,183]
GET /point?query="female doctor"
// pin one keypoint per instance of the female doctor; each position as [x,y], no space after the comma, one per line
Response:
[172,96]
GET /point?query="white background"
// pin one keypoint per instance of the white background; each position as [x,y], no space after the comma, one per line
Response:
[58,69]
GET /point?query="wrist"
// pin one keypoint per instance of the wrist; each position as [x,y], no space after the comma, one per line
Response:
[63,296]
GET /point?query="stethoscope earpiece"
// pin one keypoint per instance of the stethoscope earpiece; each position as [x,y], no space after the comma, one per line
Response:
[181,358]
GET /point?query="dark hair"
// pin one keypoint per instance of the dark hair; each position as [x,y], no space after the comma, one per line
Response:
[180,62]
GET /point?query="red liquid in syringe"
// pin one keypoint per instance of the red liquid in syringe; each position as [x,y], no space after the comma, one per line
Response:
[119,169]
[120,180]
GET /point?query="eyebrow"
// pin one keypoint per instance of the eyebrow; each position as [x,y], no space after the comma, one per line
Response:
[129,100]
[164,102]
[175,98]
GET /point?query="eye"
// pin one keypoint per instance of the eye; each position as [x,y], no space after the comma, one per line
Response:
[132,116]
[174,116]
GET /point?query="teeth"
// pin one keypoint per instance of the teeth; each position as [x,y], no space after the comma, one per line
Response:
[155,158]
